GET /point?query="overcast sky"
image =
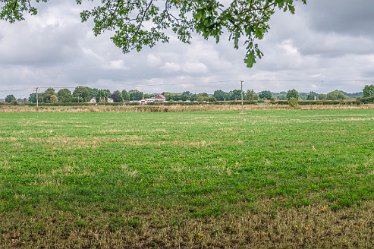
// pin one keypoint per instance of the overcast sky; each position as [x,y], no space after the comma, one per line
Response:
[327,45]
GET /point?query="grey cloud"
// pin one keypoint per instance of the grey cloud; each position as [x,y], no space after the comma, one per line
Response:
[346,17]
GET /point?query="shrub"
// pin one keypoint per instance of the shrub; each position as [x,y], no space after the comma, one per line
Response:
[294,102]
[336,95]
[369,100]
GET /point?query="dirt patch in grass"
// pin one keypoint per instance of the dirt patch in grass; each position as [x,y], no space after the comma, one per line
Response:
[8,139]
[133,140]
[57,142]
[196,144]
[91,142]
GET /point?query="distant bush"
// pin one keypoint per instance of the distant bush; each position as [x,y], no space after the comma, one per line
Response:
[337,95]
[329,102]
[293,102]
[320,102]
[246,102]
[369,100]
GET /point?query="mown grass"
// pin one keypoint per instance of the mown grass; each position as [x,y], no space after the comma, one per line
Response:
[204,179]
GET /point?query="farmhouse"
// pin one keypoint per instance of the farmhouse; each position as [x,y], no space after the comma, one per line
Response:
[156,99]
[160,98]
[22,101]
[93,101]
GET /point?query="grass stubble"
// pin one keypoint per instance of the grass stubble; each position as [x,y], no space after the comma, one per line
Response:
[266,179]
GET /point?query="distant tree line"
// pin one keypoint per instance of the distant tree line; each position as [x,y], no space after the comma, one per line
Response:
[86,94]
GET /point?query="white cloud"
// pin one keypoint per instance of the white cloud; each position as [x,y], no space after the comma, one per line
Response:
[171,67]
[153,60]
[195,68]
[117,65]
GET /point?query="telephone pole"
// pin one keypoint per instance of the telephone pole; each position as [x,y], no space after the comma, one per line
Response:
[37,97]
[242,94]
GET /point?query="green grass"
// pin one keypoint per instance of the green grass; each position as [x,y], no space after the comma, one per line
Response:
[128,172]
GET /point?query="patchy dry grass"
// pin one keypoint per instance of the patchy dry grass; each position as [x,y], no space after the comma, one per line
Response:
[263,179]
[176,108]
[303,227]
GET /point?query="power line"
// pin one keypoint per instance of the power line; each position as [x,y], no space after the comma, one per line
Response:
[16,90]
[311,80]
[242,94]
[180,83]
[260,80]
[58,87]
[202,82]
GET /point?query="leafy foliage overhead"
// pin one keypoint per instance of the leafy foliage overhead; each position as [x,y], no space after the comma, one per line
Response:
[139,23]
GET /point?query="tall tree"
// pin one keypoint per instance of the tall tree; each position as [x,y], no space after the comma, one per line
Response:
[251,95]
[53,99]
[117,96]
[245,21]
[312,96]
[46,96]
[186,96]
[32,98]
[220,95]
[84,94]
[336,95]
[322,96]
[103,95]
[369,91]
[125,95]
[204,97]
[281,96]
[235,94]
[64,95]
[10,99]
[292,94]
[265,95]
[135,95]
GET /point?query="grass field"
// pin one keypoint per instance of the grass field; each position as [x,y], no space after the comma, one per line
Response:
[264,179]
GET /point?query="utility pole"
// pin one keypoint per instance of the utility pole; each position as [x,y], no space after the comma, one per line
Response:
[242,94]
[37,98]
